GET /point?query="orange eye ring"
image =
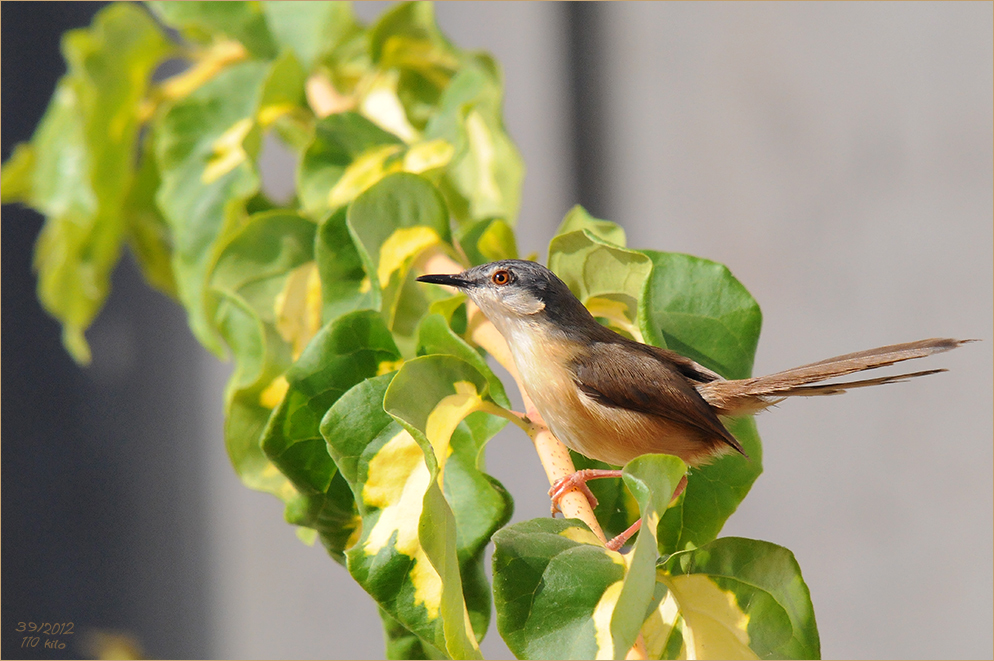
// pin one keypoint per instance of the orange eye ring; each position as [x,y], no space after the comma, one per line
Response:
[501,277]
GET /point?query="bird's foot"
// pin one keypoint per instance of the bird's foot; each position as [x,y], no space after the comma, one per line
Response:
[578,480]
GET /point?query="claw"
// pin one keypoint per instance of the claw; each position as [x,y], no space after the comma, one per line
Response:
[578,480]
[563,486]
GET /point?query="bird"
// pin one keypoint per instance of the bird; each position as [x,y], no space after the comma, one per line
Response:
[613,399]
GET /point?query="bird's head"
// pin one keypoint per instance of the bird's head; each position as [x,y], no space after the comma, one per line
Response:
[512,291]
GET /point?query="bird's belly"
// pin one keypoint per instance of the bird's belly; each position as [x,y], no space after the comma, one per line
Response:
[609,434]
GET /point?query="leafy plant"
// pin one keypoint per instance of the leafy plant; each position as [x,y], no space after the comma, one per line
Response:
[360,398]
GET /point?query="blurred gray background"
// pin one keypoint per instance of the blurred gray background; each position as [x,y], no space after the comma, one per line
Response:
[837,157]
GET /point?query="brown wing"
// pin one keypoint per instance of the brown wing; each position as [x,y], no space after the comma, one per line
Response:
[640,379]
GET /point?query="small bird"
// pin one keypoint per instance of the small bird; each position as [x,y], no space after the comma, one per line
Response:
[613,399]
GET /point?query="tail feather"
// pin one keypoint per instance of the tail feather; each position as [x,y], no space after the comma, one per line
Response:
[839,388]
[745,396]
[888,355]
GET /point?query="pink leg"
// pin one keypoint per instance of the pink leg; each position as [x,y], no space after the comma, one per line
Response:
[620,540]
[578,480]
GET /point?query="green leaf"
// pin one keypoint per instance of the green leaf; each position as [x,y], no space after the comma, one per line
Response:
[261,356]
[435,337]
[63,125]
[411,536]
[440,399]
[81,162]
[484,178]
[248,276]
[148,233]
[283,93]
[351,349]
[578,219]
[206,148]
[428,382]
[438,537]
[652,479]
[555,586]
[488,240]
[15,180]
[356,429]
[344,285]
[72,285]
[283,105]
[549,605]
[204,22]
[402,643]
[713,493]
[257,258]
[339,140]
[735,595]
[406,35]
[310,29]
[385,468]
[606,277]
[697,308]
[393,223]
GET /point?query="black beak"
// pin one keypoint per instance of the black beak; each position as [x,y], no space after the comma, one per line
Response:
[450,280]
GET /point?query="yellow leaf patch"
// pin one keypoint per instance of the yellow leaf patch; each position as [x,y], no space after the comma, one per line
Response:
[446,416]
[602,620]
[382,107]
[497,242]
[403,246]
[396,482]
[228,152]
[270,113]
[615,312]
[481,145]
[367,169]
[429,155]
[298,307]
[274,392]
[580,535]
[714,625]
[387,366]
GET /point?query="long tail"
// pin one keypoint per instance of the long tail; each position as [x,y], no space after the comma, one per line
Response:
[746,396]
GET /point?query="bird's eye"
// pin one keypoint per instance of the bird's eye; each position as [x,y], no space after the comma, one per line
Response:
[501,277]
